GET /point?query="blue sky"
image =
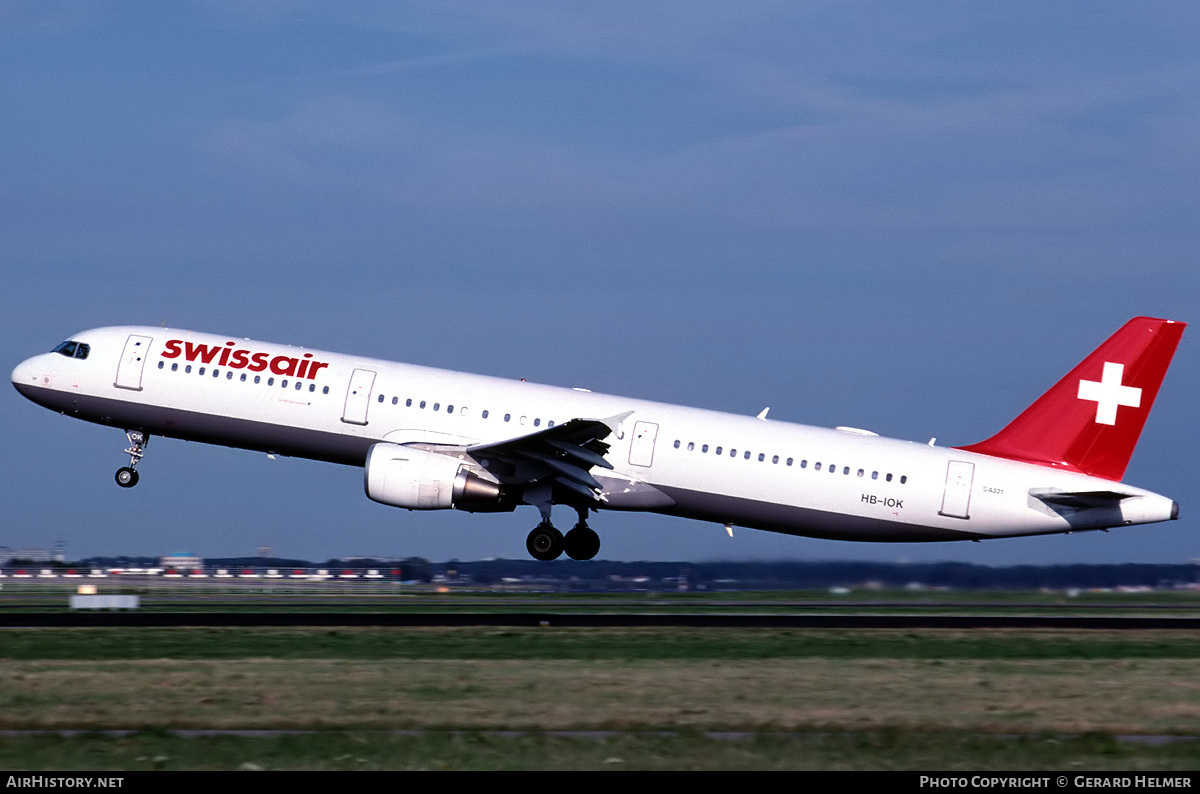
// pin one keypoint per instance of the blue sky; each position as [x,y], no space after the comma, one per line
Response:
[907,217]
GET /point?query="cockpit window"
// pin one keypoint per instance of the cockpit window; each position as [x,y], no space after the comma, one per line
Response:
[73,349]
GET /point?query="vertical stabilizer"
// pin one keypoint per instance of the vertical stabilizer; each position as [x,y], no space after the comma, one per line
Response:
[1091,420]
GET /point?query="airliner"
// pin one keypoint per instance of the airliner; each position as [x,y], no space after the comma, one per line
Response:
[434,439]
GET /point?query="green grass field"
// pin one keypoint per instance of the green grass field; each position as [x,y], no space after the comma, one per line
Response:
[558,698]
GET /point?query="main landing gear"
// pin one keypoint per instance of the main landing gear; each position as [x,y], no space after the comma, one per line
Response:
[545,542]
[127,476]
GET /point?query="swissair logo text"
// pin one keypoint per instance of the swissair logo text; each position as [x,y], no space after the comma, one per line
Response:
[1108,393]
[229,355]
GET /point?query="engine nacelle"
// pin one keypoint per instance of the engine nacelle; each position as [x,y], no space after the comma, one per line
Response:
[403,476]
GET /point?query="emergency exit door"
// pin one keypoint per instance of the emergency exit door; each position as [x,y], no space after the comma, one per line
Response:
[641,448]
[358,397]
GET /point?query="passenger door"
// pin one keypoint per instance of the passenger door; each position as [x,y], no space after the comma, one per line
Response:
[956,501]
[133,360]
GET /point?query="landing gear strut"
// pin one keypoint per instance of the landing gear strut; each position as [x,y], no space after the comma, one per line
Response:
[127,476]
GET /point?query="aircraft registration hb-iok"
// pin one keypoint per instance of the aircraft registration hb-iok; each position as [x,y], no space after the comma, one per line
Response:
[431,439]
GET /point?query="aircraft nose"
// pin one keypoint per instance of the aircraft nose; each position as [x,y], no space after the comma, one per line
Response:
[29,374]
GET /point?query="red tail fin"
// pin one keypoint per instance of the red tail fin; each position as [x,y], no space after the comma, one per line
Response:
[1090,420]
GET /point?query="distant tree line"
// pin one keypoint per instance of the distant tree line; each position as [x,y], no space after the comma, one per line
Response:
[725,575]
[824,575]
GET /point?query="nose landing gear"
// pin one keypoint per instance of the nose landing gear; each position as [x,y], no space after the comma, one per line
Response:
[127,476]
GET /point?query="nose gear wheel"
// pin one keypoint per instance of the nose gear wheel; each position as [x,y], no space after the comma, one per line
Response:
[127,476]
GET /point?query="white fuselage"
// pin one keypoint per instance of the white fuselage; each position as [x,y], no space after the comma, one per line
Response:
[690,462]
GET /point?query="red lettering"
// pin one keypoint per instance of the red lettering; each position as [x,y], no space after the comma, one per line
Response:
[239,358]
[283,365]
[205,353]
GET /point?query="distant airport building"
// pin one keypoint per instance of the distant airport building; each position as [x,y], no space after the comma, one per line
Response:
[57,554]
[181,561]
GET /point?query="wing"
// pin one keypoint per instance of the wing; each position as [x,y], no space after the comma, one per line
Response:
[561,455]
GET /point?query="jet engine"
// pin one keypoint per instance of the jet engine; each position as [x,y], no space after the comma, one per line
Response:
[416,479]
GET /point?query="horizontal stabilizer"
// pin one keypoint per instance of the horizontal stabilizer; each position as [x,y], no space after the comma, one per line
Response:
[1080,499]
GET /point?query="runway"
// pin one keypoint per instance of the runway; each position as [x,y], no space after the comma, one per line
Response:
[598,620]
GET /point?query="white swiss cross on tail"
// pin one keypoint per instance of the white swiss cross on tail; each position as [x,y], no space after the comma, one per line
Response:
[1108,393]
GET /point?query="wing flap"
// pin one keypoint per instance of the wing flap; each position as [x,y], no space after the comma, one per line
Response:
[561,455]
[564,468]
[581,453]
